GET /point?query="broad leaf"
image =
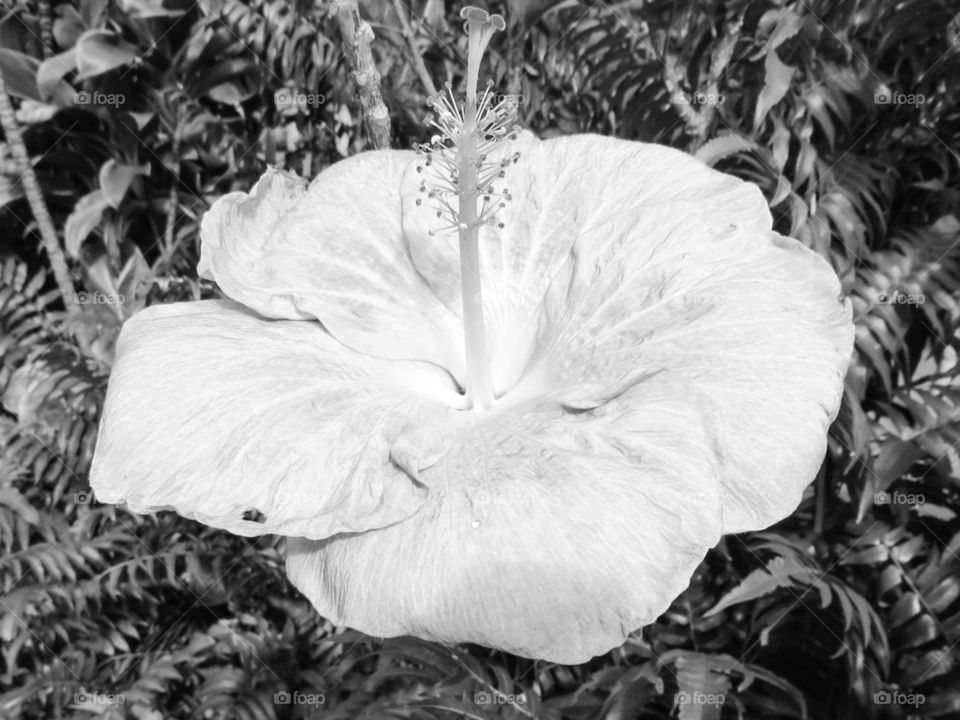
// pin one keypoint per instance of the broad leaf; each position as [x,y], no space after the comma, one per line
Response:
[115,179]
[775,86]
[51,71]
[86,215]
[20,74]
[99,51]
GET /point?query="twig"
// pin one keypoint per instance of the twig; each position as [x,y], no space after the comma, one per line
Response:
[31,188]
[173,198]
[173,204]
[417,59]
[357,37]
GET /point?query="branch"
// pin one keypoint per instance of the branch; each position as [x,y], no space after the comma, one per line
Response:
[357,37]
[417,59]
[31,188]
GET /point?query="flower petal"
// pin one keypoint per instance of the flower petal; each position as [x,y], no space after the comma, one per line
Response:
[546,534]
[214,411]
[752,320]
[625,258]
[333,251]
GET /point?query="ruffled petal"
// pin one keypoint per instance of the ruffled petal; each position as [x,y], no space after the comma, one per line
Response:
[547,534]
[768,340]
[333,251]
[625,258]
[213,411]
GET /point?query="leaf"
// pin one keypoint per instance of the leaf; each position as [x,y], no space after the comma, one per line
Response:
[775,86]
[86,215]
[12,498]
[895,458]
[115,179]
[92,11]
[100,276]
[226,93]
[20,74]
[759,583]
[148,9]
[51,71]
[133,280]
[68,28]
[944,702]
[953,31]
[527,12]
[786,23]
[99,51]
[229,81]
[724,146]
[817,107]
[701,689]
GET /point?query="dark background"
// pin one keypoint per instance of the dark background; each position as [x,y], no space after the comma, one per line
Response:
[137,115]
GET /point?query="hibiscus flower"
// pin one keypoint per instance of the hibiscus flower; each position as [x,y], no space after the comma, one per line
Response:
[508,391]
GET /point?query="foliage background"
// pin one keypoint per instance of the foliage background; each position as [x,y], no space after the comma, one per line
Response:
[849,598]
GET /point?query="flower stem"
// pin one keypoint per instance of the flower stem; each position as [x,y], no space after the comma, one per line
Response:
[357,37]
[479,386]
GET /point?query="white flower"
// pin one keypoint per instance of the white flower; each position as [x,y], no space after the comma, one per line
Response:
[663,369]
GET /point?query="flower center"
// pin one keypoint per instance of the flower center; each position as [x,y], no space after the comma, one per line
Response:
[463,162]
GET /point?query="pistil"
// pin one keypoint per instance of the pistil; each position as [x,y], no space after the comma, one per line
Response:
[462,167]
[479,384]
